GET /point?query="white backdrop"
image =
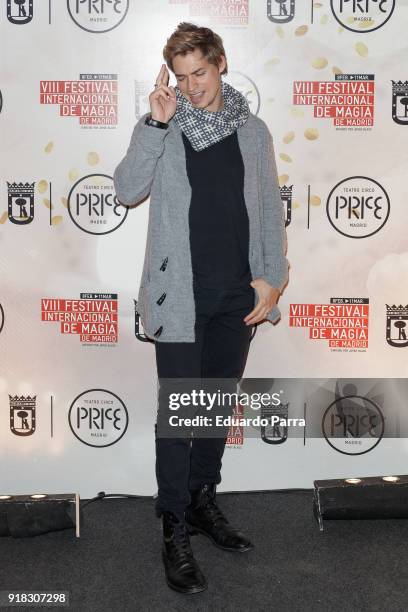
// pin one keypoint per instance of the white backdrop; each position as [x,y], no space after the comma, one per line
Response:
[61,240]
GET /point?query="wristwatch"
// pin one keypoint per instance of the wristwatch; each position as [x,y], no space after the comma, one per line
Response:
[155,123]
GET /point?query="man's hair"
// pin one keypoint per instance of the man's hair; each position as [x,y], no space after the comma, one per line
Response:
[188,37]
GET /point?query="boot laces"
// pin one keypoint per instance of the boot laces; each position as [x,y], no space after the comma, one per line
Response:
[182,547]
[213,511]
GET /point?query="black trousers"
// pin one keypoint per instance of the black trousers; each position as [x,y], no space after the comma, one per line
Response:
[219,351]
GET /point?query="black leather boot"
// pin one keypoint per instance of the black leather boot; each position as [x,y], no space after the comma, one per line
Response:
[182,571]
[204,516]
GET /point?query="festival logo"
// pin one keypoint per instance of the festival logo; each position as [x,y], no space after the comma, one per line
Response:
[22,415]
[247,87]
[400,102]
[218,12]
[286,197]
[358,207]
[93,205]
[93,99]
[397,323]
[362,15]
[348,100]
[98,418]
[19,11]
[353,424]
[97,16]
[235,435]
[280,11]
[94,317]
[20,202]
[343,322]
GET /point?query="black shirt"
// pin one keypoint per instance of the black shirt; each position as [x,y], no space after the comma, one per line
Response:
[218,218]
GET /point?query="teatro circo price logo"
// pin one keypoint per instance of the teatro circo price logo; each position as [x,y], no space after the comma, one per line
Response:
[1,318]
[353,424]
[93,205]
[358,207]
[97,16]
[98,418]
[362,16]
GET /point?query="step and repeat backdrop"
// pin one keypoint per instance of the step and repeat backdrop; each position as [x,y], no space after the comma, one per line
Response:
[78,383]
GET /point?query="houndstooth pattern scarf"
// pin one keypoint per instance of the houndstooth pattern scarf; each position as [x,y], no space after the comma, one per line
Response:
[202,127]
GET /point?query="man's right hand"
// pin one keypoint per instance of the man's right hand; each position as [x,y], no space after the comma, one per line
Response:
[163,101]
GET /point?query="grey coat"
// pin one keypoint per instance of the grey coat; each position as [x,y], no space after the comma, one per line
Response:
[155,164]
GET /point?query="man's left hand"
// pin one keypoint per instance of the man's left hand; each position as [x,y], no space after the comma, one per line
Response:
[268,297]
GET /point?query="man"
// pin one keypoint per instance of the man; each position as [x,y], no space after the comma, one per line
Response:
[214,267]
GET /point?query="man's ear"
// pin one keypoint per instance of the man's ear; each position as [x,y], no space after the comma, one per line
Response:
[222,63]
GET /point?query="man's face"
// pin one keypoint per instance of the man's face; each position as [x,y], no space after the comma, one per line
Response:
[195,75]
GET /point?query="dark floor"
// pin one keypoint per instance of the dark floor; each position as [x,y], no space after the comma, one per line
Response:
[116,564]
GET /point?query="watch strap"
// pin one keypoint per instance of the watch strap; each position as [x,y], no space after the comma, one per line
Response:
[155,123]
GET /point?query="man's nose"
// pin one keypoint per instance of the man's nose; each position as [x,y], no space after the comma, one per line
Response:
[192,86]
